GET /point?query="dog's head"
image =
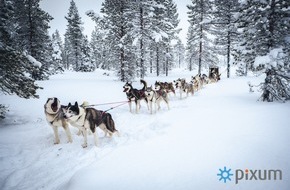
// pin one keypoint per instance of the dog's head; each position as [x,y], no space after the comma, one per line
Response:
[71,110]
[127,87]
[158,86]
[178,83]
[149,91]
[52,105]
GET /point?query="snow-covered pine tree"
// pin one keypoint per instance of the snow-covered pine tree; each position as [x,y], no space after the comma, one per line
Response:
[277,82]
[57,45]
[86,63]
[164,25]
[266,31]
[100,45]
[200,49]
[74,38]
[141,31]
[170,28]
[31,34]
[14,65]
[157,44]
[178,53]
[116,18]
[225,31]
[99,49]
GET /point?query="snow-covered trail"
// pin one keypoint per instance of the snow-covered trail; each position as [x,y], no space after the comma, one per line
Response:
[183,148]
[222,125]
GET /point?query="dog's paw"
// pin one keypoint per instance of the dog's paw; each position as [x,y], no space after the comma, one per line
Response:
[85,145]
[56,142]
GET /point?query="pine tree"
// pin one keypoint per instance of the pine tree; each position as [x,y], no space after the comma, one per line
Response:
[74,38]
[32,34]
[265,26]
[57,46]
[225,30]
[100,45]
[86,64]
[141,13]
[179,53]
[199,45]
[116,19]
[165,21]
[170,27]
[14,65]
[99,51]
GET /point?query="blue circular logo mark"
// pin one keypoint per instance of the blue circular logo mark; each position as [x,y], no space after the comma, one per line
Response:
[225,174]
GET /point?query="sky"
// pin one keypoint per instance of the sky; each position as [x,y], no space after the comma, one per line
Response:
[58,9]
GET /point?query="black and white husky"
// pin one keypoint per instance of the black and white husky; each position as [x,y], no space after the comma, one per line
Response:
[89,119]
[155,97]
[55,117]
[135,94]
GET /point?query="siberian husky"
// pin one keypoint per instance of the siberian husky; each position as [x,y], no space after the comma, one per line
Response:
[135,94]
[184,87]
[55,117]
[167,86]
[89,119]
[156,97]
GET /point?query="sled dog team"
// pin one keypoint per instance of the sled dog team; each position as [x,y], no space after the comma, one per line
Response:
[86,118]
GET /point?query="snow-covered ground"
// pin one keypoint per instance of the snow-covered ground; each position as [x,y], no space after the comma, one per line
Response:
[223,125]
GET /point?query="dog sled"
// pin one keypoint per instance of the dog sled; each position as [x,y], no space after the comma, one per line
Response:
[214,73]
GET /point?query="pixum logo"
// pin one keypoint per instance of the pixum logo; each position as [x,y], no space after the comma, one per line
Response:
[225,174]
[249,175]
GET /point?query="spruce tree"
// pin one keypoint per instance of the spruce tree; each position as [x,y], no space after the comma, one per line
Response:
[225,31]
[199,45]
[265,26]
[165,21]
[116,19]
[32,34]
[57,46]
[74,38]
[178,53]
[141,13]
[14,65]
[100,49]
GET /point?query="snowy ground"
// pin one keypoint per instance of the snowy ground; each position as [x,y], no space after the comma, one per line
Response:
[183,148]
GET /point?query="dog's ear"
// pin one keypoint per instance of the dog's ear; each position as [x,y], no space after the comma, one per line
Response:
[76,104]
[69,105]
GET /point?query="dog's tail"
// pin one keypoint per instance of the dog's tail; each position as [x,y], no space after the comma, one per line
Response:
[144,84]
[110,123]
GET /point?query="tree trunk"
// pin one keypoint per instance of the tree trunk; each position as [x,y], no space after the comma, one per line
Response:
[228,55]
[142,67]
[157,60]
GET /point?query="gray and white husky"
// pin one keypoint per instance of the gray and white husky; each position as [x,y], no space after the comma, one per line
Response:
[89,119]
[184,87]
[156,96]
[55,117]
